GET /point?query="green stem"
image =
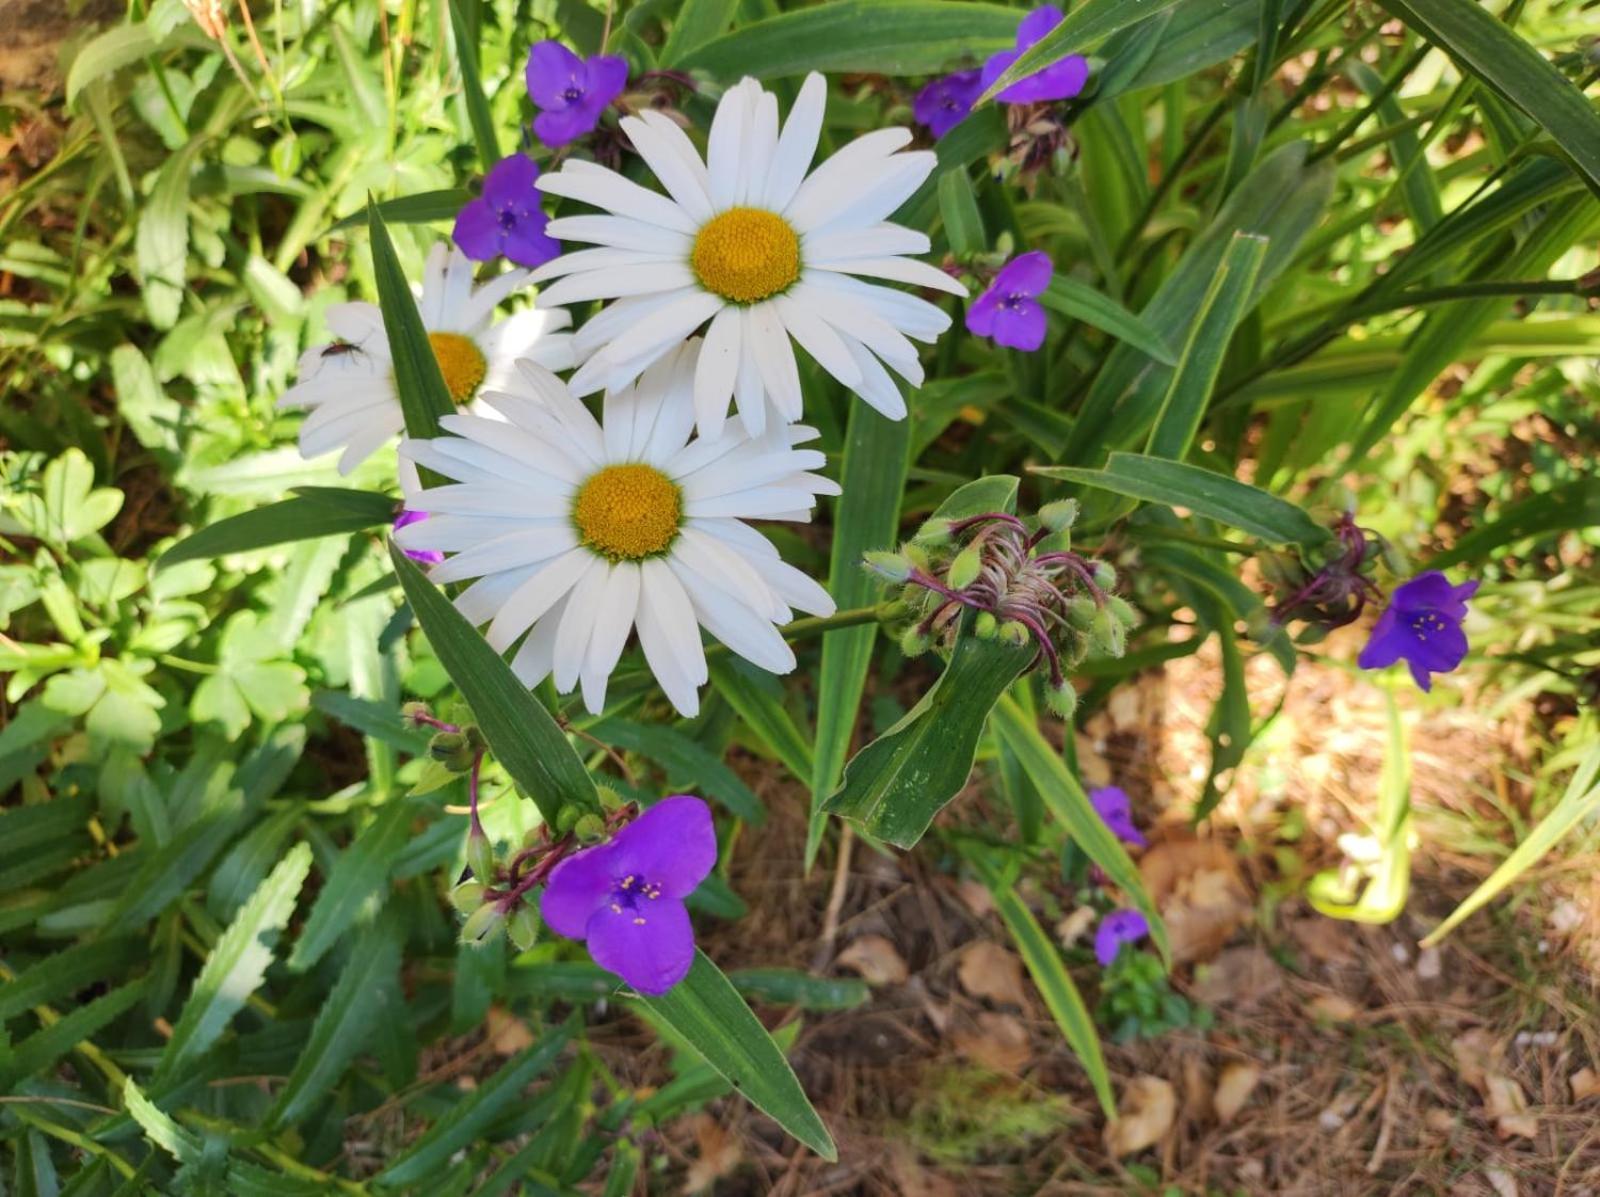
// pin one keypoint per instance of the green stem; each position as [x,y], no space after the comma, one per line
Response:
[191,666]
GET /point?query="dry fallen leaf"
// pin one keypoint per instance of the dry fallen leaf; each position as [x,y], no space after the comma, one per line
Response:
[717,1156]
[998,1041]
[1476,1053]
[911,1179]
[1331,1007]
[1240,976]
[1509,1108]
[1502,1182]
[1144,1116]
[1323,939]
[875,958]
[1234,1086]
[508,1034]
[989,971]
[1202,899]
[1439,1120]
[1585,1084]
[975,897]
[1073,927]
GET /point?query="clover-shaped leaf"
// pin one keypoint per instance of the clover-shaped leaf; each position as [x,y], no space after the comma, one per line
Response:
[249,681]
[68,506]
[117,707]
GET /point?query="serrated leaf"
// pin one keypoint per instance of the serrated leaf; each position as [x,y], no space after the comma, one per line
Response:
[237,965]
[358,1001]
[45,1047]
[471,1116]
[521,733]
[359,876]
[707,1012]
[66,972]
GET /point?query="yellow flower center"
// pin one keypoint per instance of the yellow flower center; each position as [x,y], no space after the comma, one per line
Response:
[461,362]
[746,254]
[626,512]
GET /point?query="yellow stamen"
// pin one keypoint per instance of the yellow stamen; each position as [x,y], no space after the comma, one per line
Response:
[746,255]
[626,512]
[461,362]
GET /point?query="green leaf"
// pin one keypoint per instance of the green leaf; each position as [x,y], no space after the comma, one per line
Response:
[1577,804]
[69,507]
[66,972]
[1230,295]
[47,1046]
[685,762]
[1051,976]
[1575,504]
[1214,496]
[791,987]
[160,1127]
[1484,47]
[423,397]
[759,705]
[1078,301]
[359,877]
[164,875]
[708,1013]
[477,104]
[471,1117]
[121,46]
[248,681]
[301,518]
[958,208]
[865,517]
[1068,802]
[237,965]
[359,1000]
[1087,24]
[425,207]
[1195,35]
[895,786]
[887,37]
[521,733]
[161,243]
[378,720]
[152,416]
[696,23]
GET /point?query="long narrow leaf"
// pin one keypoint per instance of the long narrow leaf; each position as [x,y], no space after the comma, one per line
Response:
[423,396]
[300,518]
[477,104]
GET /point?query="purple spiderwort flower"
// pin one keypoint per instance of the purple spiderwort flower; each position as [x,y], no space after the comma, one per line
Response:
[572,91]
[945,102]
[1008,311]
[1421,625]
[1116,812]
[625,897]
[421,556]
[1116,929]
[506,220]
[1058,81]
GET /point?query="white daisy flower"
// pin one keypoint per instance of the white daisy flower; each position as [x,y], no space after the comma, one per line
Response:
[580,531]
[750,242]
[349,384]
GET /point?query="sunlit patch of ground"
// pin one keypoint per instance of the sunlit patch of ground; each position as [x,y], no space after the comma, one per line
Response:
[1343,1059]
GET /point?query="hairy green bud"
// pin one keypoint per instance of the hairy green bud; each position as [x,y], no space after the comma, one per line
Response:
[964,570]
[610,800]
[480,855]
[914,641]
[1105,575]
[1122,611]
[916,554]
[1060,515]
[523,927]
[985,626]
[452,750]
[1081,610]
[891,567]
[590,829]
[1061,698]
[1014,632]
[481,925]
[467,896]
[413,713]
[934,531]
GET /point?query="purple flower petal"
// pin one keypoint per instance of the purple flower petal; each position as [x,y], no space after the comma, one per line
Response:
[552,71]
[944,103]
[1116,929]
[980,316]
[650,947]
[1036,24]
[1019,323]
[477,231]
[578,887]
[995,66]
[1116,812]
[1026,274]
[1058,81]
[511,181]
[421,556]
[1422,626]
[559,126]
[1386,645]
[672,845]
[529,245]
[607,76]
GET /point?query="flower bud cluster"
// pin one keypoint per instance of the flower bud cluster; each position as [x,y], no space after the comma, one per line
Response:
[1024,582]
[1325,586]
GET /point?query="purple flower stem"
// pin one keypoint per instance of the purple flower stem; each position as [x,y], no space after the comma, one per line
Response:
[1043,640]
[472,793]
[960,526]
[436,724]
[928,582]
